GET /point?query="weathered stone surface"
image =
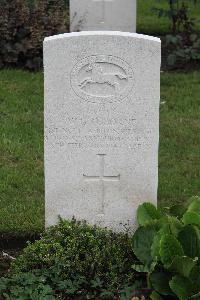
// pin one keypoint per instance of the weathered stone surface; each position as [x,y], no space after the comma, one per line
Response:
[103,15]
[102,94]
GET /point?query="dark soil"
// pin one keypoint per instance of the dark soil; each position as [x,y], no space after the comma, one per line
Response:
[10,248]
[6,257]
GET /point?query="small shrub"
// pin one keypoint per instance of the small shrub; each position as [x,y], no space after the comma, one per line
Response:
[183,49]
[76,259]
[23,26]
[168,248]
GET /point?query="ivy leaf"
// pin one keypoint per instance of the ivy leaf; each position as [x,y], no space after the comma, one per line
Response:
[96,283]
[181,286]
[147,213]
[169,248]
[68,286]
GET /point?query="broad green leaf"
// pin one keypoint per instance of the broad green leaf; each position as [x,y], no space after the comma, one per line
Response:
[191,217]
[169,225]
[155,247]
[140,268]
[195,278]
[169,248]
[181,286]
[174,225]
[183,265]
[189,237]
[160,282]
[147,213]
[195,205]
[142,241]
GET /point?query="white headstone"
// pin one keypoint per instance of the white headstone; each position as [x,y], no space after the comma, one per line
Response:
[103,15]
[102,93]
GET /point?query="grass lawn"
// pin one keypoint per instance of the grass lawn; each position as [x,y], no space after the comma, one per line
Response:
[21,152]
[21,147]
[149,23]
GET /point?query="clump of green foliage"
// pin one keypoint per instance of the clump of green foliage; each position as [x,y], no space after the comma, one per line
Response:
[26,286]
[168,248]
[183,49]
[73,259]
[183,44]
[23,26]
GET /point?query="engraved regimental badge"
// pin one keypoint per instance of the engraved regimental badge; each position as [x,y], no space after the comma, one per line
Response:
[102,79]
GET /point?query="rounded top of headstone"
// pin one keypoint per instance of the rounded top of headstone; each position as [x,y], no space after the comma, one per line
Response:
[103,33]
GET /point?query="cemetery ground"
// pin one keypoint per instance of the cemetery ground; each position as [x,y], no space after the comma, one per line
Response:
[21,147]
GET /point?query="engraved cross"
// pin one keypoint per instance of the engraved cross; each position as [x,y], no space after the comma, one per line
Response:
[102,179]
[103,2]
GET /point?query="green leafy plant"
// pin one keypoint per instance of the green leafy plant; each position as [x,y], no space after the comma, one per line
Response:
[182,45]
[23,26]
[183,50]
[76,259]
[26,286]
[73,260]
[168,248]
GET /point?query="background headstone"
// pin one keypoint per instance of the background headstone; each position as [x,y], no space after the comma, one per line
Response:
[103,15]
[102,94]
